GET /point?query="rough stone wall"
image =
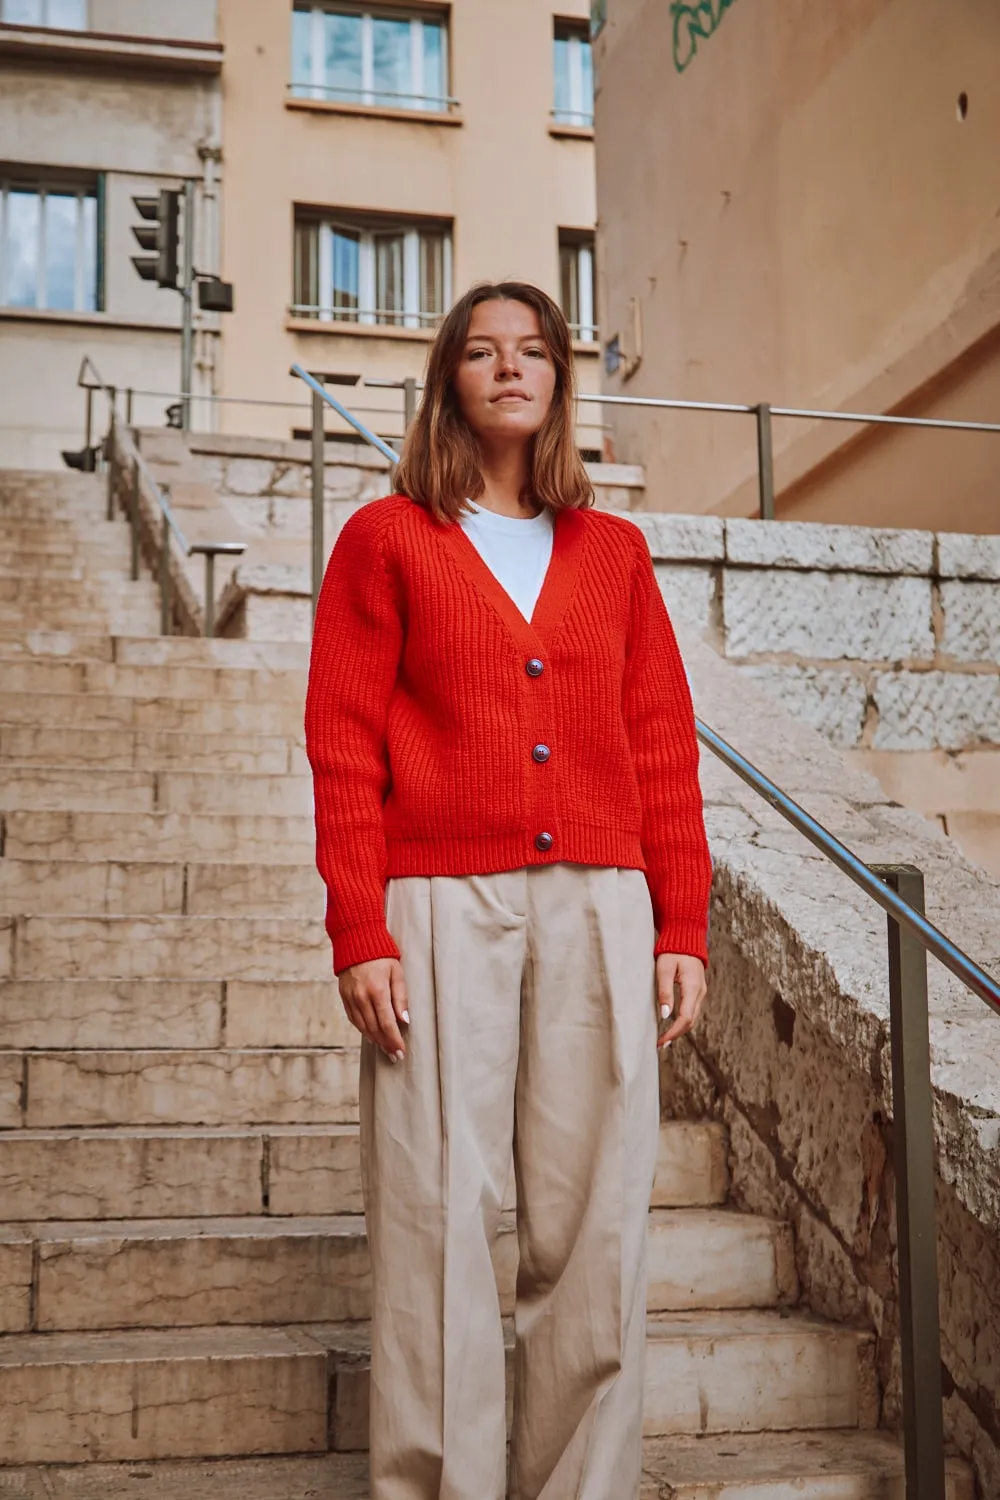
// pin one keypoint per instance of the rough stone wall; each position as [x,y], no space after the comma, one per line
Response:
[888,640]
[793,1048]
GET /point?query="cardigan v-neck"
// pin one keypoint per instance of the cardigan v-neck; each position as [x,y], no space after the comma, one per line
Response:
[448,735]
[516,549]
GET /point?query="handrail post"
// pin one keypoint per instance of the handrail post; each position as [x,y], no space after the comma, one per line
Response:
[109,455]
[133,516]
[765,461]
[318,491]
[128,407]
[409,402]
[89,419]
[916,1232]
[208,624]
[165,575]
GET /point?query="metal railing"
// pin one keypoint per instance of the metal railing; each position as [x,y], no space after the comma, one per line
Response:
[899,890]
[125,461]
[763,413]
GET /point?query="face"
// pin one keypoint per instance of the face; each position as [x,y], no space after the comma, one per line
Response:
[505,378]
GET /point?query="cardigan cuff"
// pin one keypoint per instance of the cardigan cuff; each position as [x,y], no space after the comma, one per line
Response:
[683,937]
[358,944]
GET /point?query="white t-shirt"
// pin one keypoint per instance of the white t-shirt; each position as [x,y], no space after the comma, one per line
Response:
[516,551]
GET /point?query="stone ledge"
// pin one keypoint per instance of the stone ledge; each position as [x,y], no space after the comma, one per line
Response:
[811,545]
[961,556]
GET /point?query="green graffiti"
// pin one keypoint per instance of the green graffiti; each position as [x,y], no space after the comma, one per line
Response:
[694,23]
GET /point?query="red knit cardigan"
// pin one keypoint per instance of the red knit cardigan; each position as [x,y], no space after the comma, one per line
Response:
[432,702]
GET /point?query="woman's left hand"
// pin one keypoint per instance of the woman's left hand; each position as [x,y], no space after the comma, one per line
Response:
[688,975]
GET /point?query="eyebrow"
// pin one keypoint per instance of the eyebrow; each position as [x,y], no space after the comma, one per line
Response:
[488,338]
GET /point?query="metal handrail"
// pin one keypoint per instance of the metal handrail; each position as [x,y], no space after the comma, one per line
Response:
[169,523]
[929,936]
[899,890]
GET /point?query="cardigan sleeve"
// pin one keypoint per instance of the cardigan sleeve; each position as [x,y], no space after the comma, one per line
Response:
[659,718]
[357,642]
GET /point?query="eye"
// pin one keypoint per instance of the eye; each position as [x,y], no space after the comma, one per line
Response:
[478,353]
[538,353]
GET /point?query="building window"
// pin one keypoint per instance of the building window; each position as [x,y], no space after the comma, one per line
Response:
[576,282]
[60,15]
[48,246]
[574,75]
[364,57]
[352,271]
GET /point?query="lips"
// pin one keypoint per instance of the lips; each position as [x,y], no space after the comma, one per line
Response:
[509,396]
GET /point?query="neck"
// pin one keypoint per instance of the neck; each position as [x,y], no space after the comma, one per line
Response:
[505,472]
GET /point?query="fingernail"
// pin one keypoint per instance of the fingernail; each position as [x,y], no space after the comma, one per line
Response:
[399,1057]
[667,1044]
[390,1057]
[406,1018]
[666,1011]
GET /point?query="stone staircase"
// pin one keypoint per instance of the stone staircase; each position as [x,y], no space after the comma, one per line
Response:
[183,1266]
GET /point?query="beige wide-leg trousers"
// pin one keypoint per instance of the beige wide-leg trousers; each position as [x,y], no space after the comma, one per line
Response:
[532,1024]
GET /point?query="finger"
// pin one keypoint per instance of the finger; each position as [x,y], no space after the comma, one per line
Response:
[397,989]
[666,977]
[362,1020]
[385,1020]
[687,1013]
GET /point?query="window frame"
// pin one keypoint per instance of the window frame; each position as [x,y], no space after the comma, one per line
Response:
[576,34]
[317,90]
[368,231]
[41,188]
[45,24]
[581,242]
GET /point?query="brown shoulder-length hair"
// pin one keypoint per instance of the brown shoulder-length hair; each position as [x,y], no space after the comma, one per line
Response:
[441,463]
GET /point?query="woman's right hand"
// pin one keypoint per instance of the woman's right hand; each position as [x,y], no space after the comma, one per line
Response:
[374,996]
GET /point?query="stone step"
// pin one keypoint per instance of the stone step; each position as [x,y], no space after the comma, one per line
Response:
[72,711]
[163,680]
[66,567]
[190,1172]
[171,948]
[157,837]
[55,644]
[133,888]
[771,1466]
[179,1015]
[69,594]
[192,1393]
[139,618]
[151,750]
[186,1273]
[78,789]
[212,1086]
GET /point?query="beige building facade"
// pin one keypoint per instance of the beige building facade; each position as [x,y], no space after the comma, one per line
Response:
[356,165]
[798,205]
[100,100]
[379,159]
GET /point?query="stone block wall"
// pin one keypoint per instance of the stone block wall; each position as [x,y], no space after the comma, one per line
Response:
[883,640]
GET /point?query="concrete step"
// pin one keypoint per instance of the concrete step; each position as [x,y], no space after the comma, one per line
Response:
[171,948]
[182,1172]
[772,1466]
[179,1015]
[190,1172]
[187,1273]
[163,680]
[150,750]
[216,1086]
[133,888]
[97,710]
[243,1390]
[76,789]
[159,836]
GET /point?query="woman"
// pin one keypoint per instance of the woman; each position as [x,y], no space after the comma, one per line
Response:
[503,751]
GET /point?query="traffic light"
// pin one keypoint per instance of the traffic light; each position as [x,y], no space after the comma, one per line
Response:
[159,233]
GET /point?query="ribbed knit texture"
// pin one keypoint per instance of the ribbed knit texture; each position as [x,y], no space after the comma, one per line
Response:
[421,720]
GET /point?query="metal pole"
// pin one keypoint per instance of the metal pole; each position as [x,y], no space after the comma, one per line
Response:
[109,453]
[409,401]
[88,440]
[208,627]
[165,577]
[187,306]
[765,461]
[916,1234]
[128,407]
[133,515]
[318,482]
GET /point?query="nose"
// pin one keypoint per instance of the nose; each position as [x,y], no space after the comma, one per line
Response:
[509,365]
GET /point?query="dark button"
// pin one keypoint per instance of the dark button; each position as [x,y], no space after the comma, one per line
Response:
[541,753]
[534,667]
[543,841]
